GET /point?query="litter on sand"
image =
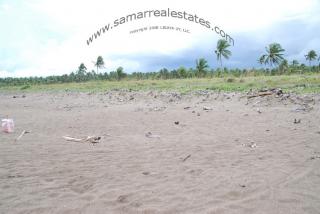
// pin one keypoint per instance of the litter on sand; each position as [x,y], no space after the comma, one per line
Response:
[7,125]
[89,139]
[150,135]
[21,135]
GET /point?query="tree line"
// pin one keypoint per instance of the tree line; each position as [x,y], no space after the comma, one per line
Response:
[273,61]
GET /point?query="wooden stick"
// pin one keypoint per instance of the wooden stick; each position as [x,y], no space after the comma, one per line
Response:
[89,139]
[186,158]
[21,135]
[261,94]
[72,139]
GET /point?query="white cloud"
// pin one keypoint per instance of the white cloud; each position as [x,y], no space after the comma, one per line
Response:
[77,20]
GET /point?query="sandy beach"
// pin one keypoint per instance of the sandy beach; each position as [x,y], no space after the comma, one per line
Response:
[160,152]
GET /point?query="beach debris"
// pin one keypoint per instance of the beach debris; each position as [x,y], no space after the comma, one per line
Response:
[146,173]
[193,112]
[267,92]
[89,139]
[242,185]
[206,108]
[296,121]
[16,96]
[314,157]
[186,158]
[198,114]
[122,199]
[259,111]
[21,135]
[251,145]
[187,107]
[150,135]
[176,122]
[7,125]
[162,108]
[304,108]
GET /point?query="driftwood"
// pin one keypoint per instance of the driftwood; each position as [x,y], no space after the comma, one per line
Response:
[186,158]
[260,94]
[89,139]
[21,135]
[267,92]
[150,135]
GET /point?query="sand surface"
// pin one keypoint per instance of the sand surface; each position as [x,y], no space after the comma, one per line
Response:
[238,156]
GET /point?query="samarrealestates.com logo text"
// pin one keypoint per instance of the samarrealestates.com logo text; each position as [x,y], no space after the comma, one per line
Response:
[160,13]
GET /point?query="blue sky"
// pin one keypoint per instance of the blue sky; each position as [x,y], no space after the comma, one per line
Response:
[45,37]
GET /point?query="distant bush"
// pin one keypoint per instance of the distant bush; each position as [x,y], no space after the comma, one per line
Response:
[25,87]
[230,80]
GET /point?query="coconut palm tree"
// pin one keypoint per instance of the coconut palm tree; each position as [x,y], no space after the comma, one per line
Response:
[201,67]
[99,63]
[222,50]
[82,68]
[120,73]
[310,56]
[294,63]
[273,56]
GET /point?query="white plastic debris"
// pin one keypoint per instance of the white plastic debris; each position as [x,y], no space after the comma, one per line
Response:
[7,125]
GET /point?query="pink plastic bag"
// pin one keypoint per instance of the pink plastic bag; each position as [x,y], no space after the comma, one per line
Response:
[7,125]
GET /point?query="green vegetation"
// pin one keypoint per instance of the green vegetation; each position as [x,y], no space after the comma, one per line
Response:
[274,55]
[291,83]
[99,63]
[292,77]
[222,50]
[312,55]
[201,67]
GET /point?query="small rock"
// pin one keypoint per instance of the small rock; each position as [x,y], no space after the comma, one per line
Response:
[122,199]
[207,108]
[176,122]
[146,173]
[188,107]
[150,135]
[251,145]
[198,114]
[297,121]
[193,112]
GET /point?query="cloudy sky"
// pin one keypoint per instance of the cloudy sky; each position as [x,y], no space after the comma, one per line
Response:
[46,37]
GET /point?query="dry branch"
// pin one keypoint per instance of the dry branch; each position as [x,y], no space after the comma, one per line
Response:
[89,139]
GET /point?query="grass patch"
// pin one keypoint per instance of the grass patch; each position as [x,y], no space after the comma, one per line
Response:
[25,87]
[292,83]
